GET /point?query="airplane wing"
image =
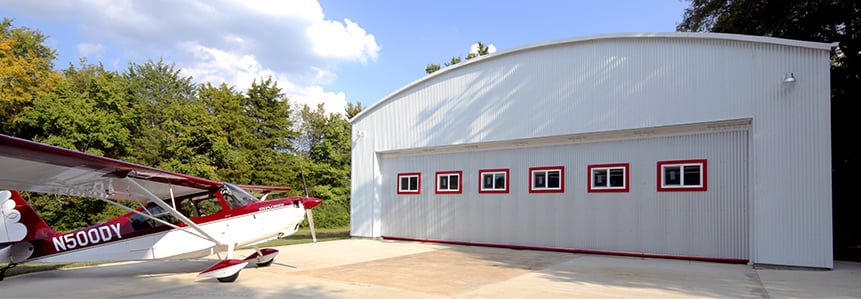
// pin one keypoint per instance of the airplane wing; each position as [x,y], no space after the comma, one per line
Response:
[30,166]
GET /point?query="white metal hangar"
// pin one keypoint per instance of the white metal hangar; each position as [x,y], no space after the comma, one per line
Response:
[681,145]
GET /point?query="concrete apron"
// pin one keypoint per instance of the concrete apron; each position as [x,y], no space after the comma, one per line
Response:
[393,269]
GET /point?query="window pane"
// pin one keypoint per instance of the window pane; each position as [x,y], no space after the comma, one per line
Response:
[500,181]
[692,175]
[617,177]
[672,175]
[443,182]
[488,181]
[453,181]
[599,178]
[553,179]
[209,206]
[405,183]
[539,179]
[414,183]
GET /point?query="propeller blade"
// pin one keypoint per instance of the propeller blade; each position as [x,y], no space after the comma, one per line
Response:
[311,224]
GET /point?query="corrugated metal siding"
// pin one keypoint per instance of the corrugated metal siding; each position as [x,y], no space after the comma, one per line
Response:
[710,224]
[599,85]
[792,162]
[362,189]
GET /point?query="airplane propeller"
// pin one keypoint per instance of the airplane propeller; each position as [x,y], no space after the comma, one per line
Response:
[310,215]
[309,203]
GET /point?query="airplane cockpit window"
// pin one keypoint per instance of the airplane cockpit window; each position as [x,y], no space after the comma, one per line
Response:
[192,207]
[208,205]
[199,205]
[236,196]
[187,208]
[140,222]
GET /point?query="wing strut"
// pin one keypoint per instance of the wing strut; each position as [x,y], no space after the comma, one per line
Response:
[172,199]
[173,211]
[147,215]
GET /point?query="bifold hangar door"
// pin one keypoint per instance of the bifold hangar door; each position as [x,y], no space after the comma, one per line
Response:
[686,196]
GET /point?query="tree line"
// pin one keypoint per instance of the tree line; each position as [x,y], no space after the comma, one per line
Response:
[150,114]
[480,50]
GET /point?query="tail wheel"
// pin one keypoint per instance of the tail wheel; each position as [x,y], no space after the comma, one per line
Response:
[266,264]
[230,278]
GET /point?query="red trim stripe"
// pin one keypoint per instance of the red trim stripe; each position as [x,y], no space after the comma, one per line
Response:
[586,251]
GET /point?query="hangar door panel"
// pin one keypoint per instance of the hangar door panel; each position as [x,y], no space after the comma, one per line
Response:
[710,223]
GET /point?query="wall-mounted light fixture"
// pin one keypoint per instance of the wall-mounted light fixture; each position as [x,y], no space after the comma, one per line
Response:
[788,78]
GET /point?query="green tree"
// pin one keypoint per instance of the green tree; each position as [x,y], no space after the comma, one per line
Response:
[325,138]
[335,148]
[272,135]
[816,20]
[353,109]
[325,147]
[87,112]
[312,129]
[453,61]
[232,140]
[26,71]
[481,50]
[174,129]
[431,68]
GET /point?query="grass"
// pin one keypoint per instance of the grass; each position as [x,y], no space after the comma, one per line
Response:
[303,235]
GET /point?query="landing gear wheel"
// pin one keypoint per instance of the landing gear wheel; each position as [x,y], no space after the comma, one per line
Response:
[266,264]
[230,278]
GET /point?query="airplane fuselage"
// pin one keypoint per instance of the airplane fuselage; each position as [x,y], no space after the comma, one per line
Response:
[133,237]
[90,236]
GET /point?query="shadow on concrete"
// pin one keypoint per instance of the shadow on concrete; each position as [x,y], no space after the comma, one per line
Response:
[156,279]
[633,274]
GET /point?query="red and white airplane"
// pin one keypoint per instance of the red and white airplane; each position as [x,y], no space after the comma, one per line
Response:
[170,215]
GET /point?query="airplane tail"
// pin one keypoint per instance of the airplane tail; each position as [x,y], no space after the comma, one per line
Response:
[19,222]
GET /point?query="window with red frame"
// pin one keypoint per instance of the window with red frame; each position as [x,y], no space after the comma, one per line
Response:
[409,183]
[449,182]
[493,180]
[683,175]
[547,179]
[609,177]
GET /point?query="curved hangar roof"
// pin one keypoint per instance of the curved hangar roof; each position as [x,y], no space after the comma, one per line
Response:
[587,39]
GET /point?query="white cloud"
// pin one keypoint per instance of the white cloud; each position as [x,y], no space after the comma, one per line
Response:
[232,41]
[329,41]
[91,49]
[323,76]
[214,65]
[314,95]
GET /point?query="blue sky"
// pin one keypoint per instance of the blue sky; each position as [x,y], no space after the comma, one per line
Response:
[330,51]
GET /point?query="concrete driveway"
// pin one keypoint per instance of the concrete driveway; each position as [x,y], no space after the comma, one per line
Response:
[360,268]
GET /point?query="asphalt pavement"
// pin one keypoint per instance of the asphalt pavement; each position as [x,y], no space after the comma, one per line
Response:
[362,268]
